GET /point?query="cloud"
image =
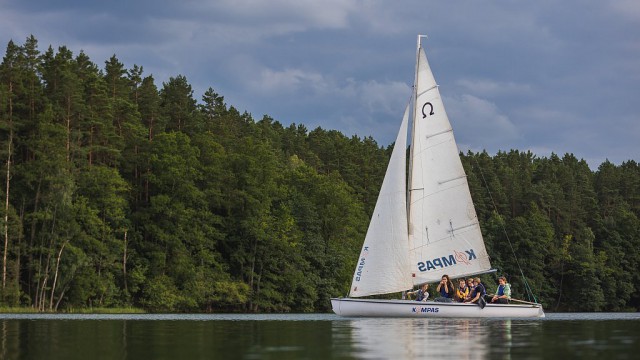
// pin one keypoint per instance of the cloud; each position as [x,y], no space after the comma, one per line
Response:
[626,8]
[381,97]
[354,107]
[491,88]
[287,82]
[536,75]
[328,14]
[479,124]
[372,107]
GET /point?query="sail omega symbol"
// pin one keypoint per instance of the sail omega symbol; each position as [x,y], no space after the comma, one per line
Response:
[424,115]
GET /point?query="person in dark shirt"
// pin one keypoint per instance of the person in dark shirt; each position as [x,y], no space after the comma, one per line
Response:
[446,289]
[478,292]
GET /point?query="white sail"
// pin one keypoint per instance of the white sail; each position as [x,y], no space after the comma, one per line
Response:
[383,266]
[437,234]
[444,233]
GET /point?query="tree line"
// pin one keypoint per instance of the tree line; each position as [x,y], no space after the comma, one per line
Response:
[119,192]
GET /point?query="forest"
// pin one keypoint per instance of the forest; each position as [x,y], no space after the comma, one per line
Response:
[121,192]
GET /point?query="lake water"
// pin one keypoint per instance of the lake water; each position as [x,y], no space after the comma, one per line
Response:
[316,336]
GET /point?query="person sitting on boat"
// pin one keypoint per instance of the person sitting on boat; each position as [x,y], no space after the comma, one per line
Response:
[471,286]
[421,294]
[446,289]
[503,294]
[462,292]
[478,292]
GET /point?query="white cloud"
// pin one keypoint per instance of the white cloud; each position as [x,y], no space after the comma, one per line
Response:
[327,14]
[626,8]
[374,107]
[381,97]
[545,75]
[351,106]
[479,121]
[489,88]
[286,82]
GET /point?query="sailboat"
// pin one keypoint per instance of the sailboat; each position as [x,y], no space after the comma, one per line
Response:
[438,232]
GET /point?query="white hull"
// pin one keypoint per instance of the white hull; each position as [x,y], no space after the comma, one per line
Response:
[414,309]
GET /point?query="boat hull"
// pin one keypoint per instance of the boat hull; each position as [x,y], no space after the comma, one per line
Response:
[351,307]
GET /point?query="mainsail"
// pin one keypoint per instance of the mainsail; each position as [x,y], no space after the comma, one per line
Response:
[444,233]
[438,233]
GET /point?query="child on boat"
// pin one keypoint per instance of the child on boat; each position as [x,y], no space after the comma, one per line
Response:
[421,294]
[478,292]
[462,292]
[503,294]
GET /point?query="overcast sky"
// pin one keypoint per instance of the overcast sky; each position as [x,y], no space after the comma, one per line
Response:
[545,76]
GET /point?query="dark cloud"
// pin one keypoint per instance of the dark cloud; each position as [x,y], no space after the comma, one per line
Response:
[546,76]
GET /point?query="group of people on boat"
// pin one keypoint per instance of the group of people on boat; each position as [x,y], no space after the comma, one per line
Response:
[468,291]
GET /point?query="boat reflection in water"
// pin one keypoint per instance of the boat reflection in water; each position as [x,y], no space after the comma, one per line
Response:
[430,338]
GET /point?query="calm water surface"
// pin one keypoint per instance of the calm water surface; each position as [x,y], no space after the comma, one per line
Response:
[316,336]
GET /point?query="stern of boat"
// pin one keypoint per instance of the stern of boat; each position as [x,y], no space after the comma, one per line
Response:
[540,312]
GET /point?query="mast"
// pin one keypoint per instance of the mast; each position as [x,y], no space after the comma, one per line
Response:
[413,131]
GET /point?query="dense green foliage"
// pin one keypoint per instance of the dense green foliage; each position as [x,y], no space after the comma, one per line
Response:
[119,193]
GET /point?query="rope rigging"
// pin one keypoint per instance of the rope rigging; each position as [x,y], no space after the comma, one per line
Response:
[530,294]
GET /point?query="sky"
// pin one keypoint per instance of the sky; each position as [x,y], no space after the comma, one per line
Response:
[542,76]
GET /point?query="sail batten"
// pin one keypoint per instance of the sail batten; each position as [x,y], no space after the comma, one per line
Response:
[424,91]
[439,133]
[441,182]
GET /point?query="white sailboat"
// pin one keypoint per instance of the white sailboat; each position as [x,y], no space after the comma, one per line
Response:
[437,234]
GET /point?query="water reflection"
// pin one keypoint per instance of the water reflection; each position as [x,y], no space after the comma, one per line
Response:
[318,336]
[420,338]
